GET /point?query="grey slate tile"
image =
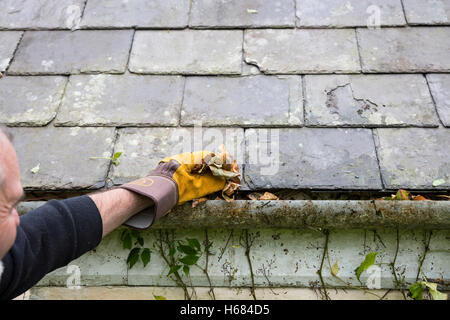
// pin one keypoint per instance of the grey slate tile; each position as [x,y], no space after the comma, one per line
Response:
[320,158]
[136,13]
[243,101]
[143,148]
[432,12]
[121,100]
[440,89]
[63,156]
[302,51]
[417,49]
[30,101]
[414,158]
[239,13]
[63,52]
[349,13]
[8,44]
[187,52]
[368,100]
[33,14]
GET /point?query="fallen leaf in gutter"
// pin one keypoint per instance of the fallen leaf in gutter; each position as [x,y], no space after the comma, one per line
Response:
[196,202]
[269,196]
[221,164]
[265,196]
[419,198]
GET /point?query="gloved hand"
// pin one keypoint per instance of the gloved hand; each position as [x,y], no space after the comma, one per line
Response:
[173,181]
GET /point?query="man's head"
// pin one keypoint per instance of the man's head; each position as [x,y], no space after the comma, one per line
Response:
[11,192]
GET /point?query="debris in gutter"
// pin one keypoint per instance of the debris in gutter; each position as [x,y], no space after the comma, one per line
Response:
[221,164]
[404,195]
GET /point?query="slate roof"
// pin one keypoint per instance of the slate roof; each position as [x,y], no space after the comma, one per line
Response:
[342,103]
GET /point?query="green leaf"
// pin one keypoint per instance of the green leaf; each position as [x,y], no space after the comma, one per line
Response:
[416,290]
[173,269]
[171,251]
[368,261]
[133,257]
[186,249]
[116,155]
[159,297]
[140,240]
[194,243]
[189,260]
[145,256]
[186,270]
[432,287]
[335,269]
[127,241]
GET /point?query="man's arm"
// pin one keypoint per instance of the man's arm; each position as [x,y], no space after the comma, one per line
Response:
[117,206]
[53,235]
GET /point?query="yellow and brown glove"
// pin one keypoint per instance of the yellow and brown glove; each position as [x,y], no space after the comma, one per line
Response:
[174,181]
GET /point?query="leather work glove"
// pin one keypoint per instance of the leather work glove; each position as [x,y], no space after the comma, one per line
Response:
[174,181]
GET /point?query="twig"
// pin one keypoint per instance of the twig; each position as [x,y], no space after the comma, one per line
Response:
[319,272]
[247,244]
[423,256]
[392,264]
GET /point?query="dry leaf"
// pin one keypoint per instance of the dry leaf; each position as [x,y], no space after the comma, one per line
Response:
[419,198]
[443,196]
[254,196]
[1,74]
[196,202]
[268,196]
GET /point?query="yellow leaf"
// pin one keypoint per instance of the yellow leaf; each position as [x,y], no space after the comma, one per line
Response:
[335,269]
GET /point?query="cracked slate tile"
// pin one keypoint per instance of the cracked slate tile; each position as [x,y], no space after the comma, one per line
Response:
[136,13]
[320,158]
[432,12]
[8,44]
[413,158]
[417,49]
[187,52]
[238,13]
[30,101]
[64,52]
[63,156]
[349,13]
[32,14]
[121,100]
[143,148]
[243,101]
[368,100]
[302,51]
[440,89]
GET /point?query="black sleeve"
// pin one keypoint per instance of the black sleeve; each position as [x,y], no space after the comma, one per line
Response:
[48,238]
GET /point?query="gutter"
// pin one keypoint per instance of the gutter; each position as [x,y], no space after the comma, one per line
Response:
[301,214]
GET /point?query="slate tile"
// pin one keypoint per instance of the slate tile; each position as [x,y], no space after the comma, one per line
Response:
[64,52]
[121,100]
[30,101]
[319,158]
[368,100]
[414,158]
[302,51]
[63,156]
[187,52]
[243,101]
